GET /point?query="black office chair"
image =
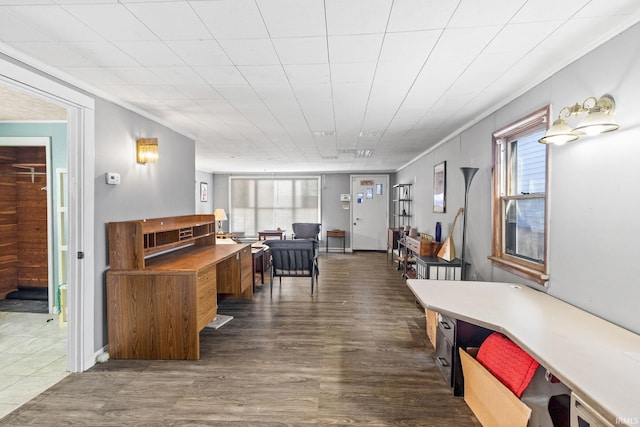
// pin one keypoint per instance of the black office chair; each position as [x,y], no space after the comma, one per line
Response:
[306,230]
[293,258]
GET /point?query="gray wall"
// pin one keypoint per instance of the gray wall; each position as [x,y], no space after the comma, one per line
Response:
[204,207]
[332,214]
[593,206]
[146,191]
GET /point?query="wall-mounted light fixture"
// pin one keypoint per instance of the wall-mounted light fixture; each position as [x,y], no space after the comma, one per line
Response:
[220,215]
[147,150]
[598,120]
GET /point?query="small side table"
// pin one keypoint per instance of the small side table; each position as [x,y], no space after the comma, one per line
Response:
[264,235]
[335,233]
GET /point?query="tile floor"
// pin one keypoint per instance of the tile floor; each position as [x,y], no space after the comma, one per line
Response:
[32,356]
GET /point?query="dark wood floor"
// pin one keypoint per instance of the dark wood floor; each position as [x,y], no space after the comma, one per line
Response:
[354,354]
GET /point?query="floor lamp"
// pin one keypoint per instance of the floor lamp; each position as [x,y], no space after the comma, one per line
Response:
[468,174]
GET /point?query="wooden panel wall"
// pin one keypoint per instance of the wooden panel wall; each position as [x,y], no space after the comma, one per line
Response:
[32,219]
[8,223]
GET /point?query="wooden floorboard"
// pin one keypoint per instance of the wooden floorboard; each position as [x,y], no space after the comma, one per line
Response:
[355,353]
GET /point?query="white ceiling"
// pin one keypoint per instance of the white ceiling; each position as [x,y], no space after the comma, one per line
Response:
[305,85]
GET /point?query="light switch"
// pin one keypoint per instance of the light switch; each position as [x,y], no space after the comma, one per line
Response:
[112,178]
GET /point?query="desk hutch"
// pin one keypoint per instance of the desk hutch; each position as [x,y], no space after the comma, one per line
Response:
[163,285]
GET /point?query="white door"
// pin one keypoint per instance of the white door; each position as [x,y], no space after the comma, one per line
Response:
[369,212]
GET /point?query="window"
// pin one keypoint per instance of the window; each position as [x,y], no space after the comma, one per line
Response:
[258,204]
[520,197]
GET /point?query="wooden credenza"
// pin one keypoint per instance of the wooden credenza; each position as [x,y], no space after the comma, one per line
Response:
[158,301]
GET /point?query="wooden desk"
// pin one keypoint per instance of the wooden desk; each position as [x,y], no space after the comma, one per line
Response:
[264,235]
[336,233]
[596,359]
[158,312]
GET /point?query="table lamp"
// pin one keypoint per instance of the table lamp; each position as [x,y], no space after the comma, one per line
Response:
[220,216]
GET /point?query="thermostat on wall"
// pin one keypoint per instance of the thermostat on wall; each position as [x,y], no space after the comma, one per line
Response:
[112,178]
[345,197]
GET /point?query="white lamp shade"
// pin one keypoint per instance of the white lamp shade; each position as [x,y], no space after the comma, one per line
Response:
[220,215]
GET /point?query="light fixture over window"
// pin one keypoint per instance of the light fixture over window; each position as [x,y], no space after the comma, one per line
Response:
[598,120]
[147,150]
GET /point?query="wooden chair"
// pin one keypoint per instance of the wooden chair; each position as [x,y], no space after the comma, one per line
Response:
[293,258]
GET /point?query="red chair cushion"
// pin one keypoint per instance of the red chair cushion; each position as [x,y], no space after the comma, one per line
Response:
[511,365]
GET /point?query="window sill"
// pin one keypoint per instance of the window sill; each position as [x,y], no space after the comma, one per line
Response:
[524,271]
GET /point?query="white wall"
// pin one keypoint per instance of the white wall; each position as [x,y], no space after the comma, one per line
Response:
[593,253]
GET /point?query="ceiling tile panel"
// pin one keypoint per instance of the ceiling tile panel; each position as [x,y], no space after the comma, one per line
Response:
[250,51]
[472,13]
[198,53]
[221,75]
[264,75]
[135,75]
[112,21]
[55,22]
[53,53]
[357,16]
[150,53]
[415,15]
[301,50]
[231,19]
[539,11]
[308,74]
[177,75]
[170,21]
[355,48]
[360,73]
[105,54]
[309,17]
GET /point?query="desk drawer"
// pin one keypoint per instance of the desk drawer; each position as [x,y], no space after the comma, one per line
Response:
[444,356]
[447,327]
[206,296]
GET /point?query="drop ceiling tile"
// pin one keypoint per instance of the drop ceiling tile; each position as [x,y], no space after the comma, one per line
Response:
[53,53]
[150,53]
[103,53]
[177,75]
[357,16]
[264,75]
[13,29]
[170,21]
[309,17]
[355,48]
[301,50]
[112,21]
[411,48]
[360,73]
[222,75]
[250,51]
[199,92]
[135,75]
[199,52]
[602,8]
[231,19]
[240,96]
[94,75]
[521,37]
[54,21]
[413,15]
[547,10]
[471,14]
[464,42]
[308,74]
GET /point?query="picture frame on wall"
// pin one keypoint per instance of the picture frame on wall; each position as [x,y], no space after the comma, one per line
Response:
[439,187]
[204,192]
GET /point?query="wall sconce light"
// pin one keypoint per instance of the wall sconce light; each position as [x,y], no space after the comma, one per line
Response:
[598,121]
[220,215]
[147,150]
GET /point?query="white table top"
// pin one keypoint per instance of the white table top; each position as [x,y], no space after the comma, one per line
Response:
[597,360]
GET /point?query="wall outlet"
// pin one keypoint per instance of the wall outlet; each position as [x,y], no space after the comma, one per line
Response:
[112,178]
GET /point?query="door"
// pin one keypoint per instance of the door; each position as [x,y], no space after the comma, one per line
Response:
[370,212]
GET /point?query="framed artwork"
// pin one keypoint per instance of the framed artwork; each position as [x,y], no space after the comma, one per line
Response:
[439,187]
[204,192]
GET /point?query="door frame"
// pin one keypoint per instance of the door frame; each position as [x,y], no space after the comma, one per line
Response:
[81,165]
[353,200]
[41,141]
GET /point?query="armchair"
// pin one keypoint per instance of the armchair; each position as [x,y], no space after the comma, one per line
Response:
[293,258]
[306,230]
